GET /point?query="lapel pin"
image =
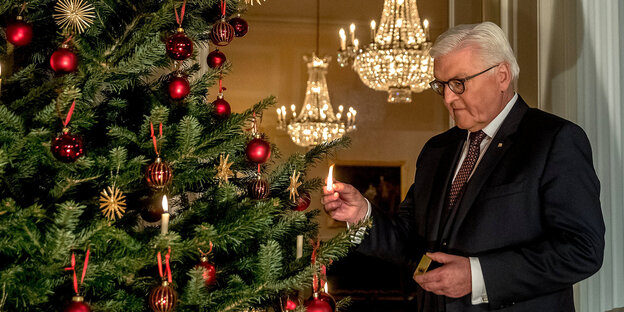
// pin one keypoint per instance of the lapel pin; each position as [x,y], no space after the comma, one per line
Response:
[500,144]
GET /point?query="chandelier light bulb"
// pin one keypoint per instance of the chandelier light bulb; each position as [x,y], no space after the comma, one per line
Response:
[343,39]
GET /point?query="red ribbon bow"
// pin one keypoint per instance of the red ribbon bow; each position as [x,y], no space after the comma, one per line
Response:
[167,266]
[154,137]
[84,269]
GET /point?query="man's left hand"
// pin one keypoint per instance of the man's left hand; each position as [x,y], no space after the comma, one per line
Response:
[453,279]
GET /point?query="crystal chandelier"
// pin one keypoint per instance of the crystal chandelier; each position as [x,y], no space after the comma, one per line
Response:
[316,122]
[397,59]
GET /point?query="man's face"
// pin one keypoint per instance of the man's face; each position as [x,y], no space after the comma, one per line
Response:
[482,99]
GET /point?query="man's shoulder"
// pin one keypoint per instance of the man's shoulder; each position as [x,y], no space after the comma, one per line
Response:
[446,137]
[542,121]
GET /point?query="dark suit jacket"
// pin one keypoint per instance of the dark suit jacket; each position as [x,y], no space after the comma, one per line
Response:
[530,213]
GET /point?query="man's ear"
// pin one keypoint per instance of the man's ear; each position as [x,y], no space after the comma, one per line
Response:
[503,76]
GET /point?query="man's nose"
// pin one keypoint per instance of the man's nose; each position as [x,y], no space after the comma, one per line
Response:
[449,95]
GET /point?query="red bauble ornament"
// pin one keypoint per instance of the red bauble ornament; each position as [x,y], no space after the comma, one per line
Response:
[179,46]
[221,107]
[240,26]
[215,59]
[259,189]
[179,88]
[320,302]
[303,202]
[209,272]
[67,147]
[258,150]
[63,60]
[290,305]
[77,305]
[159,174]
[163,298]
[222,33]
[19,33]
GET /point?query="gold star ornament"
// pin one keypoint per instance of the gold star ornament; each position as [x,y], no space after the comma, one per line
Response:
[294,184]
[112,203]
[252,2]
[76,15]
[223,169]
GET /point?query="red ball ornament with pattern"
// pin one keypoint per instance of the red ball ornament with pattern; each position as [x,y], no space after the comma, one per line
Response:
[259,189]
[159,174]
[320,302]
[179,88]
[63,60]
[209,273]
[303,202]
[258,150]
[222,33]
[163,298]
[240,26]
[67,147]
[179,46]
[215,59]
[19,32]
[221,108]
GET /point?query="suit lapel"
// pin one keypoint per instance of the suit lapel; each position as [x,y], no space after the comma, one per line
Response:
[448,154]
[497,148]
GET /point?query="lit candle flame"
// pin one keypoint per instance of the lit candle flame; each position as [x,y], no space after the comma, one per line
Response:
[165,204]
[330,179]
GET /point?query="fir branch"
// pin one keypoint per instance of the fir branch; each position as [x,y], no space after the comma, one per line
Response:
[189,135]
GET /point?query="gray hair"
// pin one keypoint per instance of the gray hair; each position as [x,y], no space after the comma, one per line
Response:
[487,37]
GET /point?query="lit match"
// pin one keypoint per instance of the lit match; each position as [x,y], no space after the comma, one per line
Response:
[330,180]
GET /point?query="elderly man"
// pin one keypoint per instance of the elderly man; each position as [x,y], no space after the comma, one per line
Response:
[506,203]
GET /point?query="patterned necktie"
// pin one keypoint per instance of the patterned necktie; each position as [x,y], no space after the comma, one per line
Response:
[466,167]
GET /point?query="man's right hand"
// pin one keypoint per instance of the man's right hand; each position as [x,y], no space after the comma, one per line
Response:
[344,203]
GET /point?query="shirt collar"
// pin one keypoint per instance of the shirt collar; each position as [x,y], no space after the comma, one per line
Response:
[492,128]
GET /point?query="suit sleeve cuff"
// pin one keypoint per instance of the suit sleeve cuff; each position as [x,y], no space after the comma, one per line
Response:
[479,294]
[359,235]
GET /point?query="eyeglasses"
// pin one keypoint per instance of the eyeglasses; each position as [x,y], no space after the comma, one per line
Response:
[456,85]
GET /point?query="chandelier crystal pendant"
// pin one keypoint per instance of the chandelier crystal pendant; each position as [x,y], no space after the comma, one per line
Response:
[397,58]
[316,122]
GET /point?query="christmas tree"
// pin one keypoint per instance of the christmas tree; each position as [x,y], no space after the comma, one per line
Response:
[108,138]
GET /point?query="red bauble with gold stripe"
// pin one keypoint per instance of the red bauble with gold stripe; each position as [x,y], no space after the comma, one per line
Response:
[159,174]
[163,298]
[259,189]
[222,33]
[179,46]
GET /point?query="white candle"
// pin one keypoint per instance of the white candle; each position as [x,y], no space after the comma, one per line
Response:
[356,43]
[373,25]
[352,32]
[330,179]
[426,26]
[164,227]
[299,253]
[343,39]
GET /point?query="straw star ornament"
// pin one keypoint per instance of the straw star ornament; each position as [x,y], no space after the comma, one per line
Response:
[112,203]
[223,169]
[294,184]
[76,15]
